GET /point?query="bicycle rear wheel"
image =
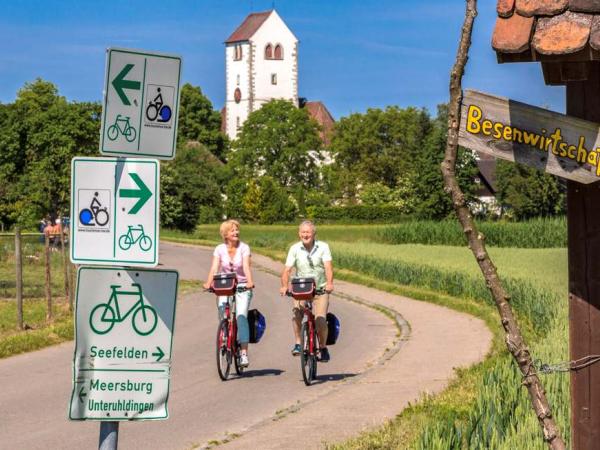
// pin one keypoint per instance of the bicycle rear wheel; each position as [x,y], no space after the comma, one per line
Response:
[308,359]
[223,354]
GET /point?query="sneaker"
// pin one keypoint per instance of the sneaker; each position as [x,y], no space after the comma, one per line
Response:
[324,355]
[244,360]
[296,350]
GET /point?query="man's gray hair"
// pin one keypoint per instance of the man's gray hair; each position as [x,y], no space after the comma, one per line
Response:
[310,223]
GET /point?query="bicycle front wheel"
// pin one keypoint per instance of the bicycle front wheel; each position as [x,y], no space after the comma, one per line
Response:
[308,359]
[223,353]
[144,320]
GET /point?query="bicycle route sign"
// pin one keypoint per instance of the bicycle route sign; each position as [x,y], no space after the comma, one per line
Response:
[141,104]
[115,211]
[124,321]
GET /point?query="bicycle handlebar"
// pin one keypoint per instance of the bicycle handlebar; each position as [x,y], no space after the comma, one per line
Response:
[237,289]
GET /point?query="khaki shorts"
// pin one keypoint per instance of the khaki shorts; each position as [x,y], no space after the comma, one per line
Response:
[320,305]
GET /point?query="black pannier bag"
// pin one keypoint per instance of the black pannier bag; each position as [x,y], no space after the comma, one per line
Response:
[333,328]
[303,288]
[224,283]
[257,325]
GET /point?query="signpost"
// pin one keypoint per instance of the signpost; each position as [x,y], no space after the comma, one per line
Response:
[115,211]
[124,328]
[141,104]
[558,144]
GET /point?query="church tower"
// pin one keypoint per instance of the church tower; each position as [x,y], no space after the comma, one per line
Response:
[261,64]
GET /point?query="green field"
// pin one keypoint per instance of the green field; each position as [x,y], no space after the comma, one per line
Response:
[485,406]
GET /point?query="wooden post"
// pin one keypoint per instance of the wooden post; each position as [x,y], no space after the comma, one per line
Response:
[19,274]
[583,216]
[48,287]
[65,267]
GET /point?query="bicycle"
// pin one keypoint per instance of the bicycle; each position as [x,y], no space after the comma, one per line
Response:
[156,108]
[121,126]
[309,340]
[228,347]
[127,240]
[94,212]
[104,316]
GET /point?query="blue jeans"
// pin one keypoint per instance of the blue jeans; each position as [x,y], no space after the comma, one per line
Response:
[242,304]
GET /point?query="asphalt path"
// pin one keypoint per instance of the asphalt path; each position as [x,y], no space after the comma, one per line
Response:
[35,387]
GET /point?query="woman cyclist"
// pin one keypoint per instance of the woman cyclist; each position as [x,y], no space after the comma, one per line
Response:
[234,256]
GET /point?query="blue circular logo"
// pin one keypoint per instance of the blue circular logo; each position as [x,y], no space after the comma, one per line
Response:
[85,216]
[165,113]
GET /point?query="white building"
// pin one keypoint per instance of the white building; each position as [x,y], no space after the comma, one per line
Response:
[261,64]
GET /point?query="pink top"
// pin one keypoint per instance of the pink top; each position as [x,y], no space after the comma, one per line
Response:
[233,265]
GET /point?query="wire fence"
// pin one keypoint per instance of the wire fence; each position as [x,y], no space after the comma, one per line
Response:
[35,266]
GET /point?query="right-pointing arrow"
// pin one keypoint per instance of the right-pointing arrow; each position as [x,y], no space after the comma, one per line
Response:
[159,354]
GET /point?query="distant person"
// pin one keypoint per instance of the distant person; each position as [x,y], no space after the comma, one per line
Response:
[42,228]
[311,259]
[234,256]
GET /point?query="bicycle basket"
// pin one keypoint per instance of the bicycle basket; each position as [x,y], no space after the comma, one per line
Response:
[333,328]
[224,283]
[303,288]
[257,325]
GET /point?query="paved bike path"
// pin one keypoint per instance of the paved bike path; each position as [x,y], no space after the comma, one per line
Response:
[35,387]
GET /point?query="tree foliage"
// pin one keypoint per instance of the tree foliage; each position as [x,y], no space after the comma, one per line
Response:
[39,135]
[279,141]
[198,121]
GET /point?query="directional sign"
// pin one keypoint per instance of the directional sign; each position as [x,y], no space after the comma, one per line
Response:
[124,323]
[549,141]
[115,211]
[141,104]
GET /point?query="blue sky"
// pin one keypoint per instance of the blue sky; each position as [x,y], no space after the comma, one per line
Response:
[354,54]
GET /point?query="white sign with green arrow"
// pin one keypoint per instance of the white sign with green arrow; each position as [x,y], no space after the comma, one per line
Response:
[141,104]
[124,323]
[115,211]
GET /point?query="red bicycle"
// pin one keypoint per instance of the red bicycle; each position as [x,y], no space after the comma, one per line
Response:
[309,340]
[228,347]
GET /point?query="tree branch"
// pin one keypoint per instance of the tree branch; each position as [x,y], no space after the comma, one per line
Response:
[514,340]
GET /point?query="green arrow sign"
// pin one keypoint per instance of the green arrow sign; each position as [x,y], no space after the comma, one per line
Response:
[143,193]
[82,394]
[120,83]
[158,353]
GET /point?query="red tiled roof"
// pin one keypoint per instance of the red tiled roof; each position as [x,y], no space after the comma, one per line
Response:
[319,112]
[545,30]
[248,27]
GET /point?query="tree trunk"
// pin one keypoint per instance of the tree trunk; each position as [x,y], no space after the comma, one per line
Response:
[514,339]
[19,273]
[48,287]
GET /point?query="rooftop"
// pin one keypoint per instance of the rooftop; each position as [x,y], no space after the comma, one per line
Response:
[248,27]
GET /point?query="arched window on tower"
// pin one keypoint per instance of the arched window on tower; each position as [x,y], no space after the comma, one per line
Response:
[278,52]
[238,52]
[269,51]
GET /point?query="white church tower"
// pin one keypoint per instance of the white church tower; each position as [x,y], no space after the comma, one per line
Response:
[261,64]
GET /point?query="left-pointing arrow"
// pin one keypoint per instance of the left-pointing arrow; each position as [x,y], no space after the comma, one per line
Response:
[120,83]
[82,394]
[143,193]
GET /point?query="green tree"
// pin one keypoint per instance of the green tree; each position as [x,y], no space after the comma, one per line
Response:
[198,121]
[279,141]
[190,188]
[426,176]
[39,135]
[379,146]
[527,192]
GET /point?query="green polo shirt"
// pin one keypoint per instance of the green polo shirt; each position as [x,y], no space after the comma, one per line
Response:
[299,258]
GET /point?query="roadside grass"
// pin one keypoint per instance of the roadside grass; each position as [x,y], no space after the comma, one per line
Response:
[485,405]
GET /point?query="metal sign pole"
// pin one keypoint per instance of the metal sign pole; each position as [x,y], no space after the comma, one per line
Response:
[109,436]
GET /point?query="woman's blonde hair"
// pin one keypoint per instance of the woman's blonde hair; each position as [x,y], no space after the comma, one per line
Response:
[227,226]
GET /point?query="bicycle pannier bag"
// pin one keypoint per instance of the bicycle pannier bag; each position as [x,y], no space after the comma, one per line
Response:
[257,325]
[303,288]
[333,328]
[224,283]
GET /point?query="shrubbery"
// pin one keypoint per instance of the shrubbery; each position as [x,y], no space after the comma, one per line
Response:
[356,213]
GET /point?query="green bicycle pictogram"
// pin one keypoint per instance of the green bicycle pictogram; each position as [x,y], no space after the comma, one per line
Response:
[104,316]
[121,126]
[132,237]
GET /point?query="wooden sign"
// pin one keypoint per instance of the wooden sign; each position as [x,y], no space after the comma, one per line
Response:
[549,141]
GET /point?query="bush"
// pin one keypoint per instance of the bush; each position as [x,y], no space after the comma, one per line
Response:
[356,213]
[536,233]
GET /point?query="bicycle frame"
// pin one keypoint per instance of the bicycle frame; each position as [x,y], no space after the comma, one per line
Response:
[124,121]
[310,320]
[231,318]
[114,299]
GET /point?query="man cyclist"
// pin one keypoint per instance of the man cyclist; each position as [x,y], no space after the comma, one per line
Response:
[310,258]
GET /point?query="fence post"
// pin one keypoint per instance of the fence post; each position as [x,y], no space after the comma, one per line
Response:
[19,274]
[65,268]
[48,287]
